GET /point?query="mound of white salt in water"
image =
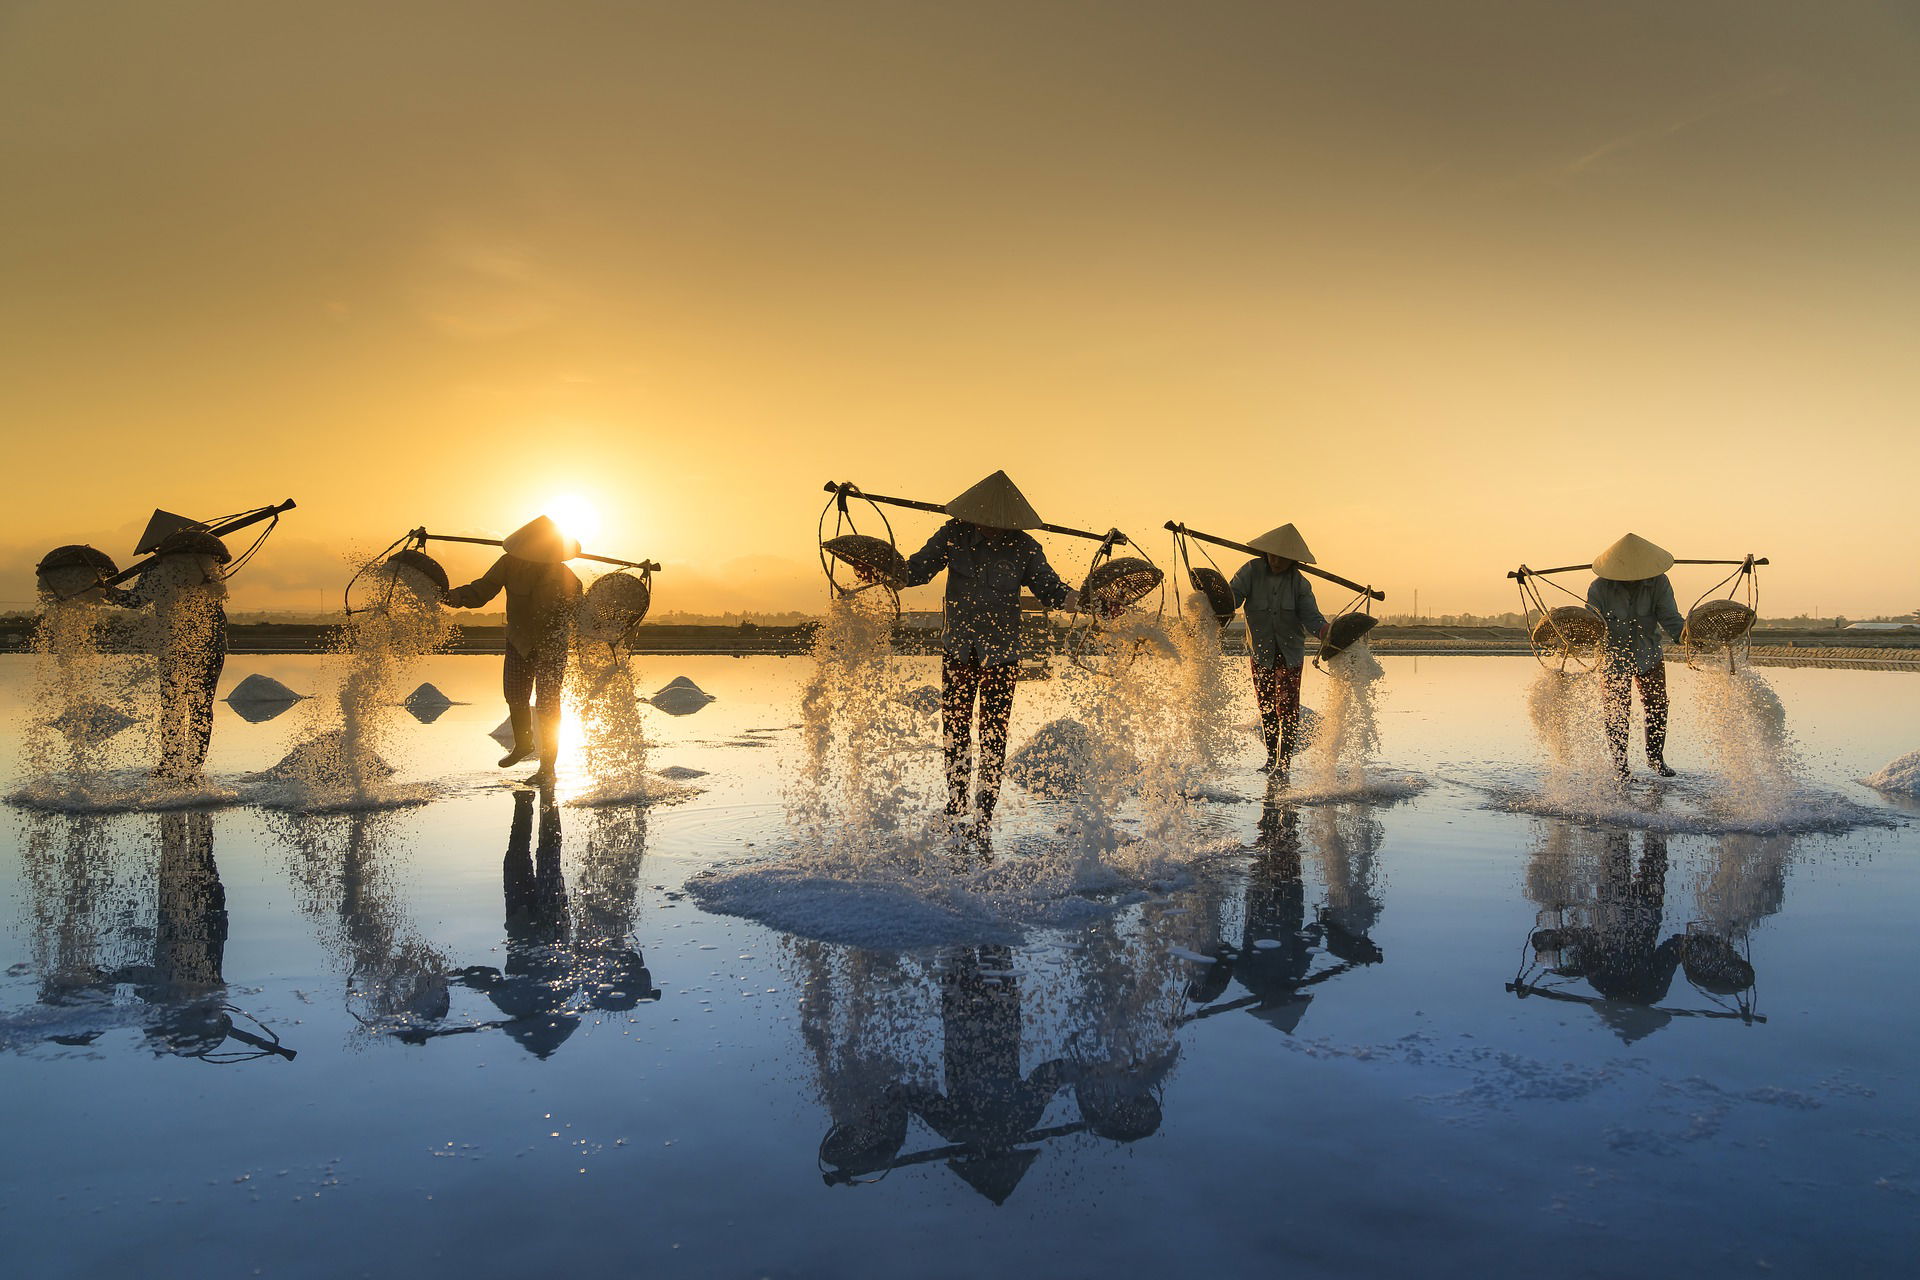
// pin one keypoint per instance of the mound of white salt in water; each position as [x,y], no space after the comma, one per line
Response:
[259,688]
[680,697]
[427,698]
[331,772]
[1054,762]
[1901,778]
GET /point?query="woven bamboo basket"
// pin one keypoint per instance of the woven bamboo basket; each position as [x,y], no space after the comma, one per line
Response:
[1115,584]
[1345,632]
[1569,628]
[1717,623]
[1212,584]
[877,557]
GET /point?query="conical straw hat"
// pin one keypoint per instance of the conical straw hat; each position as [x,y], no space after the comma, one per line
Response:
[1284,542]
[541,541]
[996,503]
[1631,559]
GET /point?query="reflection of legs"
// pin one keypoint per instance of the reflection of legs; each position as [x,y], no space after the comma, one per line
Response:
[1653,700]
[1616,692]
[959,681]
[1267,696]
[996,707]
[516,683]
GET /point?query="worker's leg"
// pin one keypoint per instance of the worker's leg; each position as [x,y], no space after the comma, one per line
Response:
[516,683]
[996,708]
[1616,701]
[1286,688]
[550,683]
[1267,696]
[959,681]
[1653,700]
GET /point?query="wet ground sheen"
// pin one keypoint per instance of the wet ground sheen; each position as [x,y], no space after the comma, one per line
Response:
[482,1037]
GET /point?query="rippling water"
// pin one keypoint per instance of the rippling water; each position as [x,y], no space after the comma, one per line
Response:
[1473,1026]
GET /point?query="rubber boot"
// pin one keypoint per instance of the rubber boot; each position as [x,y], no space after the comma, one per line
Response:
[1273,752]
[1659,766]
[549,752]
[523,744]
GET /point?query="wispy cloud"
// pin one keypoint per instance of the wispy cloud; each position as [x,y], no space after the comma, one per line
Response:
[1751,95]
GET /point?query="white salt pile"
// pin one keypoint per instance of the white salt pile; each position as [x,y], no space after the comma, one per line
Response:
[427,698]
[680,697]
[1053,763]
[257,688]
[324,756]
[93,720]
[1901,778]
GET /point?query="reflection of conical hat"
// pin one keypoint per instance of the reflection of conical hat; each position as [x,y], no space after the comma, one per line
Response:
[540,540]
[996,503]
[1284,542]
[1631,559]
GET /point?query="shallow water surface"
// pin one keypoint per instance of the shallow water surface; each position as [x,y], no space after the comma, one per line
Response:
[1438,1033]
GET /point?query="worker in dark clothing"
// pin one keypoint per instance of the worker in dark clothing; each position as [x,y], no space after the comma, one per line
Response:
[1633,597]
[988,557]
[1281,613]
[541,593]
[186,590]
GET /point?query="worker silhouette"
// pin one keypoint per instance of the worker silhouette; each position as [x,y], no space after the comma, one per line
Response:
[185,590]
[541,594]
[1281,612]
[1614,943]
[988,557]
[1632,595]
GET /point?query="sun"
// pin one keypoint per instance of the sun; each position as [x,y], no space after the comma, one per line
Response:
[576,515]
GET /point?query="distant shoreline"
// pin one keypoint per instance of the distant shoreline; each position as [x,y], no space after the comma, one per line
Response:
[1772,647]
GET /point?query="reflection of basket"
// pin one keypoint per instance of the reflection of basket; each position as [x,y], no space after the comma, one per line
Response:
[1345,632]
[1213,585]
[1115,584]
[1713,965]
[880,559]
[1569,628]
[421,563]
[1716,623]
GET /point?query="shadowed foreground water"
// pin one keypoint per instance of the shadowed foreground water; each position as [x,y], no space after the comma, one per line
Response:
[487,1036]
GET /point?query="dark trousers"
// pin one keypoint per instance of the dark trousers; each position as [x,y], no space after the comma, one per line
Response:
[544,675]
[1277,690]
[962,683]
[1617,681]
[189,674]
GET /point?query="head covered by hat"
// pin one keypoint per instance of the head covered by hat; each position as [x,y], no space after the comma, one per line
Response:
[995,503]
[1284,542]
[1631,559]
[541,541]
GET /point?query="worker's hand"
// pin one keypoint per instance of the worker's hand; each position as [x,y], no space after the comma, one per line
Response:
[1325,627]
[1072,604]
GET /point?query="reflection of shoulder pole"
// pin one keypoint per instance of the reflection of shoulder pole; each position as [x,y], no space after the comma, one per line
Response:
[1174,526]
[422,536]
[219,530]
[847,488]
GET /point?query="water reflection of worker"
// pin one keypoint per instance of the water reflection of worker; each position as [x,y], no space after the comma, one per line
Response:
[546,966]
[184,587]
[541,592]
[988,558]
[1281,613]
[1616,945]
[1633,597]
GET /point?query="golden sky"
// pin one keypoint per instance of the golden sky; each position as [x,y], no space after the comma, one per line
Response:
[1449,285]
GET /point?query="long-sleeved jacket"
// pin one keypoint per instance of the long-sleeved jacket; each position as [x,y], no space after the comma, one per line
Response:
[1281,613]
[985,570]
[539,598]
[1635,614]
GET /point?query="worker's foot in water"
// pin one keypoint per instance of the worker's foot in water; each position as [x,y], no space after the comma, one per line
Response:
[523,744]
[543,776]
[1660,767]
